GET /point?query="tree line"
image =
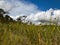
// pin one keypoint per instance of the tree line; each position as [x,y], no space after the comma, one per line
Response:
[4,18]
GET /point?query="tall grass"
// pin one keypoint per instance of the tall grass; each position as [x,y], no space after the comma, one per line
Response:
[15,33]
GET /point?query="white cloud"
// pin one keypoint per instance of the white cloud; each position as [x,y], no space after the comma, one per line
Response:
[45,16]
[41,15]
[4,5]
[17,8]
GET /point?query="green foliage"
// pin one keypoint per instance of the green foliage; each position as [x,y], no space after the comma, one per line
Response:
[15,33]
[7,18]
[21,18]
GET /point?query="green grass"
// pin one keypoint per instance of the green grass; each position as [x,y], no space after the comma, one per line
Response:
[21,34]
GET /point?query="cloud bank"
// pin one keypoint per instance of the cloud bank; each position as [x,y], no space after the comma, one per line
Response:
[20,7]
[50,15]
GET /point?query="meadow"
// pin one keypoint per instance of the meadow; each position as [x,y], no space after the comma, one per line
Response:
[15,33]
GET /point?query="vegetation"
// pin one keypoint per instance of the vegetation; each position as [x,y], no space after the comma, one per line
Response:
[16,33]
[3,17]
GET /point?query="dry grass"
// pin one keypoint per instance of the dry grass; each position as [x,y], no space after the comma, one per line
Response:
[21,34]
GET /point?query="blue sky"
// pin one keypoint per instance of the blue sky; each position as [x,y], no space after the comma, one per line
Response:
[46,4]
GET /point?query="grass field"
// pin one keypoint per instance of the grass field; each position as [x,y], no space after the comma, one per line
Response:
[21,34]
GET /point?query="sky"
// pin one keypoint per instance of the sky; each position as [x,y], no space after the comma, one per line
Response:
[46,4]
[36,11]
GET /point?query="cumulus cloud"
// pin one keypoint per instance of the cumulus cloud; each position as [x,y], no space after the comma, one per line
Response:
[18,7]
[50,15]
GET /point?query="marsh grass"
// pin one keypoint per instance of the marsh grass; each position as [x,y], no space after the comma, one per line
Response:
[15,33]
